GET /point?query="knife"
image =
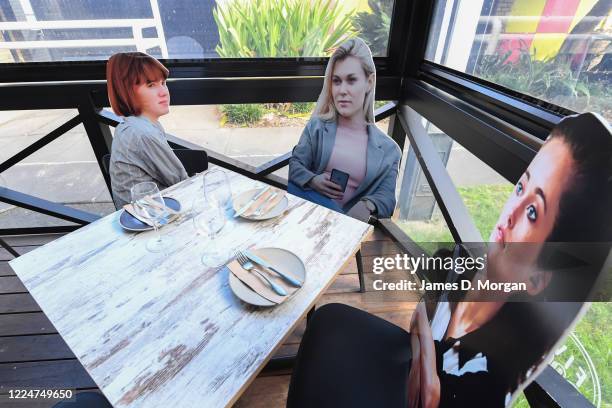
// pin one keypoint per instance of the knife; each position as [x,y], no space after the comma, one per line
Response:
[260,210]
[265,264]
[251,201]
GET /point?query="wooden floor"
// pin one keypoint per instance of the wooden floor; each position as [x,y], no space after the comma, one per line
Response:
[33,354]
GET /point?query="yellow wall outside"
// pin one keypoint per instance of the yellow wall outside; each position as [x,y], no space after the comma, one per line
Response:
[525,8]
[355,5]
[544,45]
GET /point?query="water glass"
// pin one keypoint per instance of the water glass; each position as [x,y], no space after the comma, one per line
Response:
[149,205]
[208,220]
[217,188]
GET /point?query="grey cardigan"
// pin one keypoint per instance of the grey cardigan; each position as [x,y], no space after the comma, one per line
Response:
[140,152]
[313,151]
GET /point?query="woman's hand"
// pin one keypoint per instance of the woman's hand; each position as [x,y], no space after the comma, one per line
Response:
[430,382]
[323,185]
[360,211]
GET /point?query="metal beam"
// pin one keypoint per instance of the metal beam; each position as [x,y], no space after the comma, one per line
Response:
[229,163]
[551,390]
[10,249]
[451,205]
[274,164]
[505,148]
[59,229]
[99,134]
[532,115]
[403,240]
[409,34]
[46,207]
[183,68]
[40,143]
[385,111]
[198,91]
[397,133]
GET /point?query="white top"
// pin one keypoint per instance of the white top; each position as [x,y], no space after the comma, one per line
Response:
[349,155]
[450,364]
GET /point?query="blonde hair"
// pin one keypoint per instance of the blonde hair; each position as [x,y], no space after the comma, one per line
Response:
[357,48]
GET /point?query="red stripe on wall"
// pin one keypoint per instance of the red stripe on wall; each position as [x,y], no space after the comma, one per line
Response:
[557,8]
[515,46]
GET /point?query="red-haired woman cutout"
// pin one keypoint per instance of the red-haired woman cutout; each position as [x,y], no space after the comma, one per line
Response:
[137,91]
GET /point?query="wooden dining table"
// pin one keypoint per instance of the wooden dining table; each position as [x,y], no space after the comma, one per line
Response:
[161,329]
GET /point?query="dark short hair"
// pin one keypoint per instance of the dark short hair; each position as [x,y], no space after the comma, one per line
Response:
[585,209]
[124,70]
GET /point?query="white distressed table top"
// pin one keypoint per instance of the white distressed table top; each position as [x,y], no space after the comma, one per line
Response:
[158,330]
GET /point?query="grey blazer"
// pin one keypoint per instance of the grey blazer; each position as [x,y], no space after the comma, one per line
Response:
[313,151]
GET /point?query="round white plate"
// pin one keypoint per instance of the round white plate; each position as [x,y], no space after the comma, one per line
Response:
[285,260]
[241,200]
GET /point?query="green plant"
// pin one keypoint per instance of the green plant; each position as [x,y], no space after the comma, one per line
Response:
[299,108]
[552,79]
[243,114]
[374,27]
[379,104]
[280,28]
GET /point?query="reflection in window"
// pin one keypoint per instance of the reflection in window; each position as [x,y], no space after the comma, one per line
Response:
[550,49]
[53,30]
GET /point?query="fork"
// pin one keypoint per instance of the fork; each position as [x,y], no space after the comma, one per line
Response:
[249,267]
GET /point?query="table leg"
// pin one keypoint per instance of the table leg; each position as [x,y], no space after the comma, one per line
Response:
[360,271]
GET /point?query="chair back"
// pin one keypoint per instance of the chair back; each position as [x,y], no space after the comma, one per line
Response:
[194,161]
[106,163]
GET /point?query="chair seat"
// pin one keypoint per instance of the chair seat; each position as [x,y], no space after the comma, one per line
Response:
[350,358]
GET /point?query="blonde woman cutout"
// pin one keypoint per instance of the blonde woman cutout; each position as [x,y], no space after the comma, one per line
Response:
[356,47]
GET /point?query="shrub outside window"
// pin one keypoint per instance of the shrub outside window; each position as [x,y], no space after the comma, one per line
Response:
[555,50]
[58,30]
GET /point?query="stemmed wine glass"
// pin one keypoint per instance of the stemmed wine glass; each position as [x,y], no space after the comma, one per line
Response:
[149,205]
[209,220]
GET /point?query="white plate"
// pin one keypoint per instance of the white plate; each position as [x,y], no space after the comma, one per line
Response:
[241,200]
[285,260]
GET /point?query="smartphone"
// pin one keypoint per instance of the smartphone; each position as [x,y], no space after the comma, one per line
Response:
[339,177]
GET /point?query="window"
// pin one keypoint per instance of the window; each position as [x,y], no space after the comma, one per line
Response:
[57,30]
[554,50]
[64,171]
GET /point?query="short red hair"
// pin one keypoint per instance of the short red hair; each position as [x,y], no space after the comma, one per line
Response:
[125,70]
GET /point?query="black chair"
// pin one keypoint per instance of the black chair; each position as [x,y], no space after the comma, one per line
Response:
[350,358]
[106,164]
[194,161]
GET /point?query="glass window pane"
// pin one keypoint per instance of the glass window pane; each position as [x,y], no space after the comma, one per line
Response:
[483,190]
[52,30]
[251,133]
[417,212]
[584,358]
[64,171]
[554,50]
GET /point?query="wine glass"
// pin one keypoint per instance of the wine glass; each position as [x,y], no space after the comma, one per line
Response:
[209,219]
[149,205]
[217,189]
